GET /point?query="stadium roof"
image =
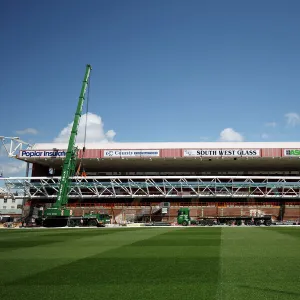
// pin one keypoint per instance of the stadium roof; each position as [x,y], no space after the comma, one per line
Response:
[175,157]
[181,164]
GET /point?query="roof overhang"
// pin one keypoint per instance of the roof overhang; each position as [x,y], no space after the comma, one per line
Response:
[178,164]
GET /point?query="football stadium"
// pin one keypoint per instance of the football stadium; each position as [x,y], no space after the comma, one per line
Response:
[152,220]
[179,179]
[96,184]
[145,251]
[142,182]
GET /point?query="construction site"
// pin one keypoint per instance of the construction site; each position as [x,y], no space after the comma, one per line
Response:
[133,186]
[121,183]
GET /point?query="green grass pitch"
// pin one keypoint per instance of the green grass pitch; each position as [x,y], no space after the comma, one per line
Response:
[151,263]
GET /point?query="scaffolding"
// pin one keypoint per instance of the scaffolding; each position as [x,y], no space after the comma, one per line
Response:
[168,187]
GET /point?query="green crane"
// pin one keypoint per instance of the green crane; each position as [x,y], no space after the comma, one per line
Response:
[69,165]
[71,155]
[58,214]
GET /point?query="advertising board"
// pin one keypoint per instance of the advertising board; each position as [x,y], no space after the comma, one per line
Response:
[291,152]
[131,153]
[221,152]
[42,153]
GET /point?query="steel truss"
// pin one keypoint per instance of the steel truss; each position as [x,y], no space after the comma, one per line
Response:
[12,145]
[157,187]
[3,191]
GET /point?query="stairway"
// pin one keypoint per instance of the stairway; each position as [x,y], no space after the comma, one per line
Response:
[32,214]
[145,212]
[148,211]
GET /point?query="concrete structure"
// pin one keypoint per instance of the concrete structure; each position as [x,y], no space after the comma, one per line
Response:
[10,205]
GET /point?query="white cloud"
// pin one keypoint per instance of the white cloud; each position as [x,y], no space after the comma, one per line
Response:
[271,124]
[110,134]
[27,131]
[292,119]
[94,132]
[264,136]
[15,168]
[230,135]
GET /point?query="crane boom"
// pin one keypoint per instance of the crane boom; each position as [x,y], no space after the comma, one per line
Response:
[58,215]
[71,155]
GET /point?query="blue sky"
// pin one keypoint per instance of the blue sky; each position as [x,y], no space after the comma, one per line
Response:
[163,70]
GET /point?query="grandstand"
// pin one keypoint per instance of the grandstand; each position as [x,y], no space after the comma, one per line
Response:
[173,158]
[142,176]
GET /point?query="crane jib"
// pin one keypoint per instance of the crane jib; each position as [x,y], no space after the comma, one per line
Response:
[71,155]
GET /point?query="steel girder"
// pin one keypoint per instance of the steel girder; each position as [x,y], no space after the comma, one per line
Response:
[12,145]
[3,191]
[158,187]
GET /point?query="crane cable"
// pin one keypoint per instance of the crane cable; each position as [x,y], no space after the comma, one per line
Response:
[85,130]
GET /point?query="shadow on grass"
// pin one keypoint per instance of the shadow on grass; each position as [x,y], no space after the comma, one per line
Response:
[288,231]
[99,270]
[269,290]
[86,232]
[125,271]
[13,245]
